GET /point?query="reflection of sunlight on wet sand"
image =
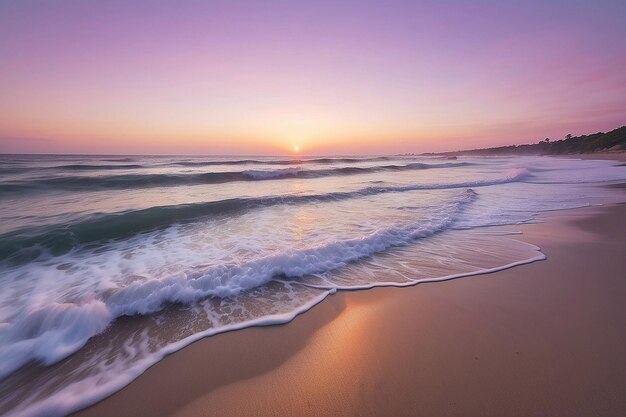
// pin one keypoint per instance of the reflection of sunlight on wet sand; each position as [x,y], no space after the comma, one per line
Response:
[338,349]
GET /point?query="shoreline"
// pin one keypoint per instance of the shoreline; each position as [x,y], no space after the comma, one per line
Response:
[413,349]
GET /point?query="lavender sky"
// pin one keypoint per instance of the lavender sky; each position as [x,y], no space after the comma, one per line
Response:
[261,77]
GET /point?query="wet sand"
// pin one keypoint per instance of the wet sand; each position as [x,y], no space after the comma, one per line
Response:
[544,339]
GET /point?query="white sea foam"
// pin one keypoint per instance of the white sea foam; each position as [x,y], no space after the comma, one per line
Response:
[50,333]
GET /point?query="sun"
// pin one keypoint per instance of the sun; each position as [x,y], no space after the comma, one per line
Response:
[296,148]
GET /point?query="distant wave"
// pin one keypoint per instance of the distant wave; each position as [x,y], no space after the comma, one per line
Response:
[89,167]
[120,160]
[129,181]
[24,245]
[70,167]
[283,161]
[188,163]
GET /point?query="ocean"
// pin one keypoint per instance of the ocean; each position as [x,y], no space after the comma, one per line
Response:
[109,263]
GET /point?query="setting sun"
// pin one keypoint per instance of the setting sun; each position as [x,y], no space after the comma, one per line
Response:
[296,148]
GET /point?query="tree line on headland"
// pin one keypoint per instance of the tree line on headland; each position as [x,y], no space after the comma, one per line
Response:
[615,140]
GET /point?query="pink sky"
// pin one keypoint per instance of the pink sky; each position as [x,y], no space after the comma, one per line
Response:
[352,77]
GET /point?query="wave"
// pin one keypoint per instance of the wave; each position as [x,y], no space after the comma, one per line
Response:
[282,161]
[128,181]
[72,167]
[121,160]
[88,167]
[226,281]
[52,332]
[24,245]
[318,173]
[195,163]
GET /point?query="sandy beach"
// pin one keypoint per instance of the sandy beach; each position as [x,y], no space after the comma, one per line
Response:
[544,339]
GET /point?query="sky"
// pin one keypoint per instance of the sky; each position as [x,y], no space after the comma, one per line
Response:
[328,77]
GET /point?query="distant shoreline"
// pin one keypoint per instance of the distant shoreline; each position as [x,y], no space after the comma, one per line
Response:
[600,142]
